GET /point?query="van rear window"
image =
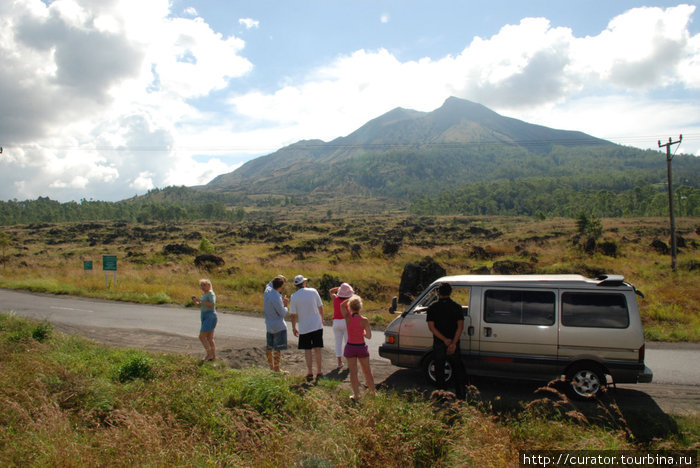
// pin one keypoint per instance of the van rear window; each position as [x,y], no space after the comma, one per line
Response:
[594,310]
[519,307]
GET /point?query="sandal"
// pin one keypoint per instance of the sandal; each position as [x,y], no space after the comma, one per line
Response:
[319,376]
[309,377]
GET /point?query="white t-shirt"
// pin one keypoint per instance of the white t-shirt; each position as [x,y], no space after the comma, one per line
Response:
[304,304]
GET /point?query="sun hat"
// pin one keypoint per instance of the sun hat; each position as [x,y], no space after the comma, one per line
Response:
[345,291]
[298,279]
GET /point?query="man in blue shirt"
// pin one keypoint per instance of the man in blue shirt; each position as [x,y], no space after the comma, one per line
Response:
[275,308]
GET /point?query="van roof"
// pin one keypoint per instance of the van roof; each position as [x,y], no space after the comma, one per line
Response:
[552,280]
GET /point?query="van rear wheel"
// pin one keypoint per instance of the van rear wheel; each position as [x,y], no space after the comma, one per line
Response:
[429,370]
[585,381]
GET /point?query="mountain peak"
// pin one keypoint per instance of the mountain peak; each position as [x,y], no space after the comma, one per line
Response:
[457,122]
[462,108]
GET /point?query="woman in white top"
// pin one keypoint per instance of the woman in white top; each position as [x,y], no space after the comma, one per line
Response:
[340,329]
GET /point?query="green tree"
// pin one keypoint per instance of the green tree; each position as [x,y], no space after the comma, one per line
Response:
[589,226]
[206,246]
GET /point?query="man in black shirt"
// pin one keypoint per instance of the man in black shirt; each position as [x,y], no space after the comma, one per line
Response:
[446,322]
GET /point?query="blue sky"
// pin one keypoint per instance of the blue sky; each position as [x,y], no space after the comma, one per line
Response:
[108,99]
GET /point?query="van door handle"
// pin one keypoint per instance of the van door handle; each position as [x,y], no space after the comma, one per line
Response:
[487,331]
[470,331]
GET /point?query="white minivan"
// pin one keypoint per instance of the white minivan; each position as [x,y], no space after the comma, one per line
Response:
[534,327]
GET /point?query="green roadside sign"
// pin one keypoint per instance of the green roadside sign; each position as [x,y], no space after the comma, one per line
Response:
[109,262]
[87,265]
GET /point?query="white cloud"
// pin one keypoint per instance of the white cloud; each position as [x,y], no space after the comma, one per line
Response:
[249,23]
[641,49]
[93,93]
[143,182]
[627,120]
[384,19]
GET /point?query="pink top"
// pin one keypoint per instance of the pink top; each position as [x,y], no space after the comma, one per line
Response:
[337,314]
[356,332]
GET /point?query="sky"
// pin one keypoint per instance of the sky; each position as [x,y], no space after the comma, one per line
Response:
[107,99]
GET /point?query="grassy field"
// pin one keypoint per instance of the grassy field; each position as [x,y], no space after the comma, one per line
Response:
[156,261]
[66,401]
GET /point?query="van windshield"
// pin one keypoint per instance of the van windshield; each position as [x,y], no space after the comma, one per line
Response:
[459,294]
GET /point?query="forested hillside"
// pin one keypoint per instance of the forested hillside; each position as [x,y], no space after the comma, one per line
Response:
[551,197]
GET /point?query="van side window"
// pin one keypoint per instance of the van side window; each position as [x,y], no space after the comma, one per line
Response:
[594,310]
[519,307]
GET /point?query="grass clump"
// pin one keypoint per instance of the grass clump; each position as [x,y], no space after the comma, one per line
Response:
[42,331]
[136,367]
[21,331]
[267,393]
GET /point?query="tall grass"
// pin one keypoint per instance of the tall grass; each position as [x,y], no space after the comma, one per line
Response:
[63,403]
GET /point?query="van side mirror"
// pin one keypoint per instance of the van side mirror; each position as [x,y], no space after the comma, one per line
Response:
[394,305]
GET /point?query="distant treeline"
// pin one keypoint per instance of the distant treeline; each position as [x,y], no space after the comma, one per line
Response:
[551,198]
[609,181]
[171,204]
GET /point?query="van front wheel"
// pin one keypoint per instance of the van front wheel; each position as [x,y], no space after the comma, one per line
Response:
[429,370]
[585,381]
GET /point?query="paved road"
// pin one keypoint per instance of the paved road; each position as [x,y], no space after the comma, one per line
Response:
[674,364]
[87,312]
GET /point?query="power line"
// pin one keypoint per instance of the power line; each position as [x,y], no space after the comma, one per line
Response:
[370,146]
[333,144]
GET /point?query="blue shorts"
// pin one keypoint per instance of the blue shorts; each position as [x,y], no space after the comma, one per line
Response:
[277,341]
[209,320]
[311,340]
[356,350]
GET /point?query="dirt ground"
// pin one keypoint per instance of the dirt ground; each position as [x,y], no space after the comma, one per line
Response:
[236,353]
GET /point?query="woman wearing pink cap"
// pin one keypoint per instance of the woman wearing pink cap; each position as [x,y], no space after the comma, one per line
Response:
[340,329]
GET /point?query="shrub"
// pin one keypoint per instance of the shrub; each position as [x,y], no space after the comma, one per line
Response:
[327,282]
[589,226]
[42,331]
[391,247]
[179,249]
[206,246]
[137,367]
[609,248]
[209,261]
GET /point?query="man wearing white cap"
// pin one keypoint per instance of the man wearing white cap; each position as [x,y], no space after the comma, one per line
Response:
[306,309]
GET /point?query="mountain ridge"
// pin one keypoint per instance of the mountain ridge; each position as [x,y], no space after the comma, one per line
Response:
[458,123]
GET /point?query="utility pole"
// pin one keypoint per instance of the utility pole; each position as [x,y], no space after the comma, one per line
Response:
[669,157]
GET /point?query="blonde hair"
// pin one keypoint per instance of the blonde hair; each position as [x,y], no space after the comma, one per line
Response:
[355,303]
[204,281]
